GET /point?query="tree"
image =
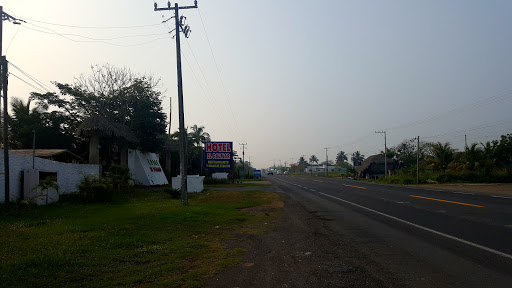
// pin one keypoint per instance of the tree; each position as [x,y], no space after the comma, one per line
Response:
[50,127]
[313,159]
[405,152]
[302,161]
[472,156]
[116,94]
[341,157]
[442,156]
[357,158]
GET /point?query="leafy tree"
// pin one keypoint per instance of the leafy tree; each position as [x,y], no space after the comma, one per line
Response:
[51,127]
[341,157]
[503,152]
[116,94]
[357,158]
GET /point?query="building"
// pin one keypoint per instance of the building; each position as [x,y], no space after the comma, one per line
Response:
[373,166]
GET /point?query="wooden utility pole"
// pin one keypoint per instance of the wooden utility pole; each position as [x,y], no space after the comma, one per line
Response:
[180,27]
[418,162]
[326,162]
[6,136]
[385,153]
[243,155]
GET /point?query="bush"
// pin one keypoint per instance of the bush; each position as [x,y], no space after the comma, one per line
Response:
[119,176]
[174,193]
[93,188]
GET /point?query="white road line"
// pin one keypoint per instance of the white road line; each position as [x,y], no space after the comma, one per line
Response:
[425,228]
[313,190]
[465,193]
[498,196]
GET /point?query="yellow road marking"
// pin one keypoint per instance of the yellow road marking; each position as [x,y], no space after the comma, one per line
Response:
[440,200]
[318,180]
[354,186]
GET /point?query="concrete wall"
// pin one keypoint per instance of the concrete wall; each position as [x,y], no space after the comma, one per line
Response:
[68,174]
[194,183]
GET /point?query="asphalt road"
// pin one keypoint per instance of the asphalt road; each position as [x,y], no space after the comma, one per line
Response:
[428,238]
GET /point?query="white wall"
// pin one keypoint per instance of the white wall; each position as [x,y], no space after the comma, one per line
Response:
[68,174]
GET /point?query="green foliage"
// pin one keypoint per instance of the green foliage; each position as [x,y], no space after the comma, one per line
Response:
[357,157]
[116,94]
[119,176]
[94,188]
[341,157]
[174,193]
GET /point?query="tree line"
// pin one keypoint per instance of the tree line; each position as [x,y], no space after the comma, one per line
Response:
[117,95]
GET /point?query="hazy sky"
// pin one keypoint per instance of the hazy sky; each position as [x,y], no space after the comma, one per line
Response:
[290,78]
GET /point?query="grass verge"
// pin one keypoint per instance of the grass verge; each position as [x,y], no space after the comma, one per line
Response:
[144,240]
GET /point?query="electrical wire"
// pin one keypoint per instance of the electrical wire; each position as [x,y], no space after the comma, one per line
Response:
[92,41]
[35,80]
[90,27]
[218,71]
[19,78]
[12,39]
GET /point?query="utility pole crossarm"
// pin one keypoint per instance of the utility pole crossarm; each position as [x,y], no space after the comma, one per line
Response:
[172,8]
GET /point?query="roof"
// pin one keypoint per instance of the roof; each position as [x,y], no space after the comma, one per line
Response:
[377,159]
[46,153]
[103,126]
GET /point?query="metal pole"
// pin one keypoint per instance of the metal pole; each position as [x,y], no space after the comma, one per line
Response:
[385,153]
[326,163]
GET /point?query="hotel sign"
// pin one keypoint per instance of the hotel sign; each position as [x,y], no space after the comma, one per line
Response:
[218,156]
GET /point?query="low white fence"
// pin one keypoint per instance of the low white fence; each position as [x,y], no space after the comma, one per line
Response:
[68,175]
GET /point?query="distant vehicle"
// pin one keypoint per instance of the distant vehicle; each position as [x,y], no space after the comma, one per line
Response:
[278,172]
[272,173]
[285,173]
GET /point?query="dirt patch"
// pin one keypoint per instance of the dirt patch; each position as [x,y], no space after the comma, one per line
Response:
[299,251]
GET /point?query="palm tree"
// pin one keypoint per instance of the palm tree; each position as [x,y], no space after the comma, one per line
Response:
[341,157]
[198,136]
[313,159]
[472,156]
[442,155]
[489,156]
[357,157]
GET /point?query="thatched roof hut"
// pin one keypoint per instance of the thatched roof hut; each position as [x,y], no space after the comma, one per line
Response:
[98,125]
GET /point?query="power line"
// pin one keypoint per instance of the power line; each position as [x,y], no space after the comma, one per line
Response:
[501,96]
[37,88]
[218,71]
[35,80]
[92,41]
[91,27]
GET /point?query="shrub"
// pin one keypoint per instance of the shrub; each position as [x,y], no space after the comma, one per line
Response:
[119,176]
[174,193]
[93,188]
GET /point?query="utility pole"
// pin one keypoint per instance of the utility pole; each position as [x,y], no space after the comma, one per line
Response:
[326,162]
[6,136]
[385,153]
[180,27]
[170,114]
[243,154]
[418,162]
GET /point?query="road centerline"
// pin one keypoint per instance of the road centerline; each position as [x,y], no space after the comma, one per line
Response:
[447,201]
[354,186]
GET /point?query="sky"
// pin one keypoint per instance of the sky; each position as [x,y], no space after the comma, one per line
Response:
[290,78]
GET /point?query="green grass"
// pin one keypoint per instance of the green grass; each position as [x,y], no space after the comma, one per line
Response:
[144,240]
